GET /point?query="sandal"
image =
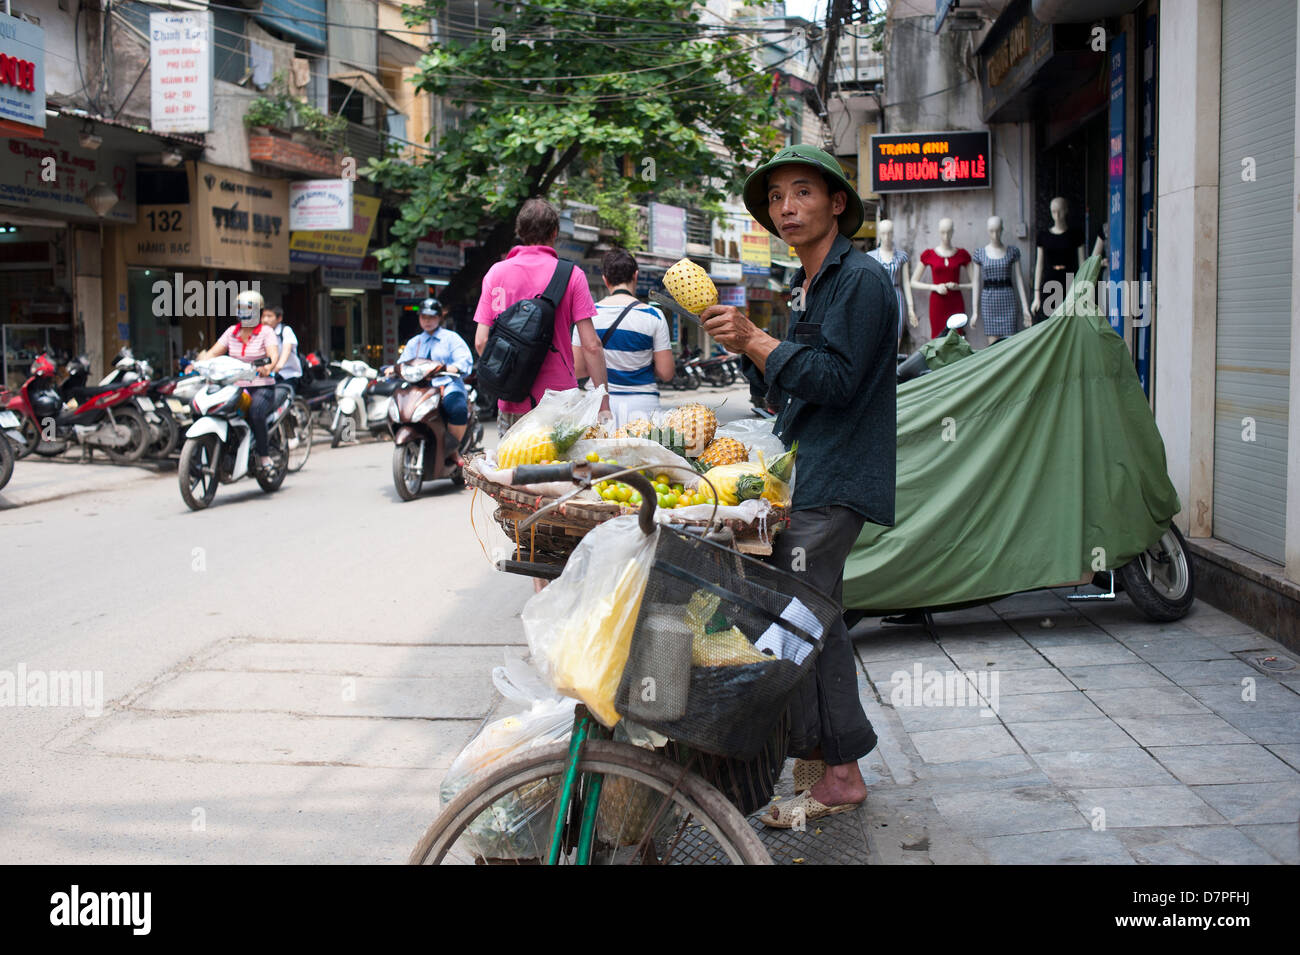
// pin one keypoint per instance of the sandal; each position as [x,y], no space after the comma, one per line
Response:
[807,774]
[800,811]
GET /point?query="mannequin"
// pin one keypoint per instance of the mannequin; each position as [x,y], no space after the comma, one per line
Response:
[946,262]
[997,269]
[1060,253]
[895,261]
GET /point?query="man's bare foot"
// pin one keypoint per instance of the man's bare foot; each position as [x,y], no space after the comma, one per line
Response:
[841,784]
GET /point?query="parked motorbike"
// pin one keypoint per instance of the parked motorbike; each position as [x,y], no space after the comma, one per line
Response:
[420,436]
[157,404]
[10,438]
[218,447]
[316,389]
[363,400]
[96,416]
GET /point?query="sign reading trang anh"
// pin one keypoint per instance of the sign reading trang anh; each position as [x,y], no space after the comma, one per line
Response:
[920,162]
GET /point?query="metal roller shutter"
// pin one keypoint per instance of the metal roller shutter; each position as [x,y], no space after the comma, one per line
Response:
[1256,126]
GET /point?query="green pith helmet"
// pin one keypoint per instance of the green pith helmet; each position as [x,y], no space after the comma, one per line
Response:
[756,186]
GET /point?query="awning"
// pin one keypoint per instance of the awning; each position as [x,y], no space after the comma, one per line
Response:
[393,49]
[367,85]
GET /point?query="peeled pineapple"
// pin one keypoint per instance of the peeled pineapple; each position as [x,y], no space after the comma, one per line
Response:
[690,286]
[528,447]
[697,423]
[724,451]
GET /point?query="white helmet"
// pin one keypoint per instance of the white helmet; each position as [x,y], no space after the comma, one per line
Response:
[248,307]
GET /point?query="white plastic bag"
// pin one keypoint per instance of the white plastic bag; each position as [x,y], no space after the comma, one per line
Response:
[572,410]
[756,435]
[580,627]
[515,825]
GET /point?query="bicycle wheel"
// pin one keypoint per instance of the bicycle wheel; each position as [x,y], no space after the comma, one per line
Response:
[299,434]
[652,811]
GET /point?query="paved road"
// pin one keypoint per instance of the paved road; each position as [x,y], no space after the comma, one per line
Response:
[285,677]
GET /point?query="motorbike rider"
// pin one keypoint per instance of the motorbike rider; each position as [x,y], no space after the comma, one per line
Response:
[443,345]
[288,368]
[253,342]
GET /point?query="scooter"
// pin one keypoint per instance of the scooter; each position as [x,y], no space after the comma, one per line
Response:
[420,437]
[219,444]
[10,438]
[157,405]
[363,402]
[102,416]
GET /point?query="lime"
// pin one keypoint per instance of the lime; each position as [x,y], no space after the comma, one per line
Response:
[593,457]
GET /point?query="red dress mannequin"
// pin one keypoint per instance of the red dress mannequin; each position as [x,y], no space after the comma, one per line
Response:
[944,304]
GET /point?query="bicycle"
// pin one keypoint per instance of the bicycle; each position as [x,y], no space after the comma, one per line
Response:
[599,798]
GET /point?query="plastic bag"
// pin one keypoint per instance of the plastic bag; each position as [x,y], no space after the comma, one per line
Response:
[549,430]
[756,435]
[636,453]
[516,823]
[580,627]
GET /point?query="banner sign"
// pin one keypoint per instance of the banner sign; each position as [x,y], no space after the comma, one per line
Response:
[344,249]
[667,229]
[22,73]
[925,162]
[732,295]
[726,271]
[755,253]
[435,260]
[367,276]
[317,205]
[1115,168]
[180,71]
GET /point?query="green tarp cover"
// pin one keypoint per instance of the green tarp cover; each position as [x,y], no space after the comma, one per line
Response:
[945,350]
[1029,464]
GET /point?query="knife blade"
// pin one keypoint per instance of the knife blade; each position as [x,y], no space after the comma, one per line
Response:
[665,301]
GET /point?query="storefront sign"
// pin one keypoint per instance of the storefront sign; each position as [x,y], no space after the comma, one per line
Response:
[180,71]
[366,277]
[53,174]
[436,260]
[318,205]
[755,253]
[1009,58]
[1115,160]
[726,272]
[241,220]
[1142,325]
[344,249]
[22,74]
[732,295]
[667,229]
[388,320]
[923,162]
[162,236]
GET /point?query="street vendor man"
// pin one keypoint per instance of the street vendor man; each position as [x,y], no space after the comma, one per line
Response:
[833,380]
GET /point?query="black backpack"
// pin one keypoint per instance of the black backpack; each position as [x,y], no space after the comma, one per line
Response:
[520,338]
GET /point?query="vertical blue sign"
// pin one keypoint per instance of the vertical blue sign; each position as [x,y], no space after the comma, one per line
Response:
[1115,301]
[1142,326]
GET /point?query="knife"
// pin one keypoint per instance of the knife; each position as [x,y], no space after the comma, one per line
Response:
[665,301]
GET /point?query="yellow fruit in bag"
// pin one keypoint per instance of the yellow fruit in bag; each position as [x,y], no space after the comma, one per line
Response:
[588,657]
[528,447]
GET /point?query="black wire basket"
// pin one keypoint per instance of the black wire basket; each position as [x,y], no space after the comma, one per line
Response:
[721,642]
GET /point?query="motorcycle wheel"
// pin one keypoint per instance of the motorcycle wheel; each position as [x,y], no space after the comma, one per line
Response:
[717,377]
[197,471]
[6,461]
[406,478]
[133,421]
[345,432]
[31,438]
[300,434]
[1160,581]
[692,381]
[171,436]
[278,444]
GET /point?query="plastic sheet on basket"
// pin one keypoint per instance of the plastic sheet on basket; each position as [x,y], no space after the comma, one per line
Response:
[580,627]
[516,824]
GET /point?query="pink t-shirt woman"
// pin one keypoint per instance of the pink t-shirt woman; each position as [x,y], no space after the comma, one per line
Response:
[254,351]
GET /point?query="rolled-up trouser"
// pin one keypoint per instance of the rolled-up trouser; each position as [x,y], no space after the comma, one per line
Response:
[262,405]
[826,710]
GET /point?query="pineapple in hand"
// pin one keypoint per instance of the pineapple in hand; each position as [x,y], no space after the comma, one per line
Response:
[690,286]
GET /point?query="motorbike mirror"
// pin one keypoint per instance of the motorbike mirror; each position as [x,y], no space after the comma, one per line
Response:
[959,320]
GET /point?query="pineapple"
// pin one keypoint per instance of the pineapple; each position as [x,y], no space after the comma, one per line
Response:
[690,286]
[724,451]
[637,428]
[528,447]
[697,423]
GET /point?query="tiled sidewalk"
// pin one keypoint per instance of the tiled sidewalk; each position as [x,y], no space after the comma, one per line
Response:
[1115,740]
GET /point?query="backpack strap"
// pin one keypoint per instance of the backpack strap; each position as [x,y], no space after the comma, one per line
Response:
[621,315]
[559,283]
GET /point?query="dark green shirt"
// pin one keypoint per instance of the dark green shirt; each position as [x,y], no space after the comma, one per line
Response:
[834,383]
